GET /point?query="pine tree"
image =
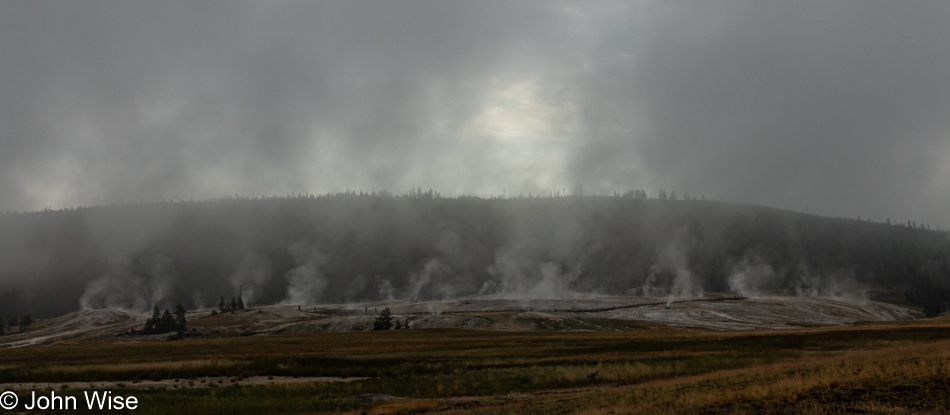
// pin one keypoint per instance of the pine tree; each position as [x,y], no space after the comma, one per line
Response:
[180,321]
[240,302]
[167,323]
[151,325]
[384,321]
[221,306]
[233,305]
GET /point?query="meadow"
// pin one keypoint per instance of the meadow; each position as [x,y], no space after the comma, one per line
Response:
[890,367]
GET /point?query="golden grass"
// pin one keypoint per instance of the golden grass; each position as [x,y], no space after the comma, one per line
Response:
[119,368]
[771,385]
[408,406]
[650,371]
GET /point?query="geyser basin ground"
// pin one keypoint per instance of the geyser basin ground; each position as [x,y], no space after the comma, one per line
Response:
[487,313]
[479,313]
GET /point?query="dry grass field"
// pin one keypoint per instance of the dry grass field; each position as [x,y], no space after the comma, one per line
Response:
[886,367]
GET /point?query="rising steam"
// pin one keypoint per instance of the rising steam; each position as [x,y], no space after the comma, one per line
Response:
[305,283]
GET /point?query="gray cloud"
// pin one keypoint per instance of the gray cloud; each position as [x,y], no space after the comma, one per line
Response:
[829,108]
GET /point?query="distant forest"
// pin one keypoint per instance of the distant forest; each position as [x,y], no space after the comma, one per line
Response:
[372,246]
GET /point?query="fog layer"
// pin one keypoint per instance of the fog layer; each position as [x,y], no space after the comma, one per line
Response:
[353,248]
[836,108]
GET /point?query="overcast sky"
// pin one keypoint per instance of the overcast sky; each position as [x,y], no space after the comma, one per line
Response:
[836,108]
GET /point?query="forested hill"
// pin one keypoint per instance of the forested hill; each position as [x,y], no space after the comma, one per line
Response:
[360,247]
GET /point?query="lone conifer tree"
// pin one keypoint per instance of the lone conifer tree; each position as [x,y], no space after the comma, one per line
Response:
[384,321]
[167,323]
[151,325]
[180,322]
[221,306]
[240,302]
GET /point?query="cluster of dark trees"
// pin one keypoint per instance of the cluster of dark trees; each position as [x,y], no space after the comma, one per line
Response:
[229,307]
[166,322]
[386,321]
[661,195]
[370,246]
[21,323]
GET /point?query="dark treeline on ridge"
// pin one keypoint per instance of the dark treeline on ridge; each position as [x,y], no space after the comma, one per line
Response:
[365,247]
